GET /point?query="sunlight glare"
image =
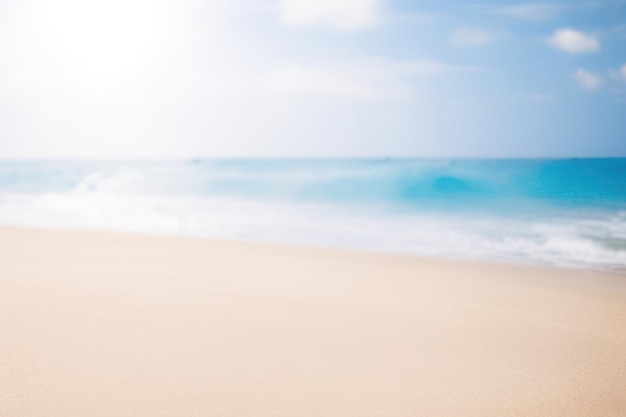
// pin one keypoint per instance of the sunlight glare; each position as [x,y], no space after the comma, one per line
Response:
[96,41]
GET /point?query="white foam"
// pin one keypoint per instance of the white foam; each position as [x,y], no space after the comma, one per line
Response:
[122,182]
[120,201]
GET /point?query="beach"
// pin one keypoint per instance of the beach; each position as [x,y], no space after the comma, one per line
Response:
[113,324]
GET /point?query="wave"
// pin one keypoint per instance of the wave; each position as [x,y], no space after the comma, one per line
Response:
[391,181]
[550,212]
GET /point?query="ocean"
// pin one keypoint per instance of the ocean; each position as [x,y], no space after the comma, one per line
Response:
[550,212]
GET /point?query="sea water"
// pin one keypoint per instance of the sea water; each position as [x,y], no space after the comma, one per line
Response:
[557,212]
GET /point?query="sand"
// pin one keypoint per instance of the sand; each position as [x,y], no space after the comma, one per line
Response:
[104,324]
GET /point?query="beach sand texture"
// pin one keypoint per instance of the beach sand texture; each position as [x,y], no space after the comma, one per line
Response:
[104,324]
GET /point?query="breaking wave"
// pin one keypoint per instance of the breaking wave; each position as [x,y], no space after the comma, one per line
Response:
[559,212]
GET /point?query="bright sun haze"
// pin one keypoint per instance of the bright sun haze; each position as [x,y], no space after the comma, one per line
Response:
[213,78]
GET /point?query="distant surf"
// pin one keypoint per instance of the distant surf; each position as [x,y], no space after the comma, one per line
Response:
[555,212]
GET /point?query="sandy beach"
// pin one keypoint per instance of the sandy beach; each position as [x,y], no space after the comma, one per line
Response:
[104,324]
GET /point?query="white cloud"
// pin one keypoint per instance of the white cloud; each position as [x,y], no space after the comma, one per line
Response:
[469,37]
[619,74]
[324,82]
[532,11]
[258,6]
[573,41]
[342,14]
[414,17]
[587,80]
[363,78]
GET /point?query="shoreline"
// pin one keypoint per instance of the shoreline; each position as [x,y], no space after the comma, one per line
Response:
[532,264]
[121,324]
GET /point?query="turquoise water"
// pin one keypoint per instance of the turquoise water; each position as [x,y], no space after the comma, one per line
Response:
[560,212]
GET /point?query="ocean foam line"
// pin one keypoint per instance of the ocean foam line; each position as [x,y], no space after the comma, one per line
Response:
[570,213]
[583,242]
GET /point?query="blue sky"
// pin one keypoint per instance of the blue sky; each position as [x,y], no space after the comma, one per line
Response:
[276,78]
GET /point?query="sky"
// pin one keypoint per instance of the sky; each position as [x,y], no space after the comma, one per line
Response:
[312,78]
